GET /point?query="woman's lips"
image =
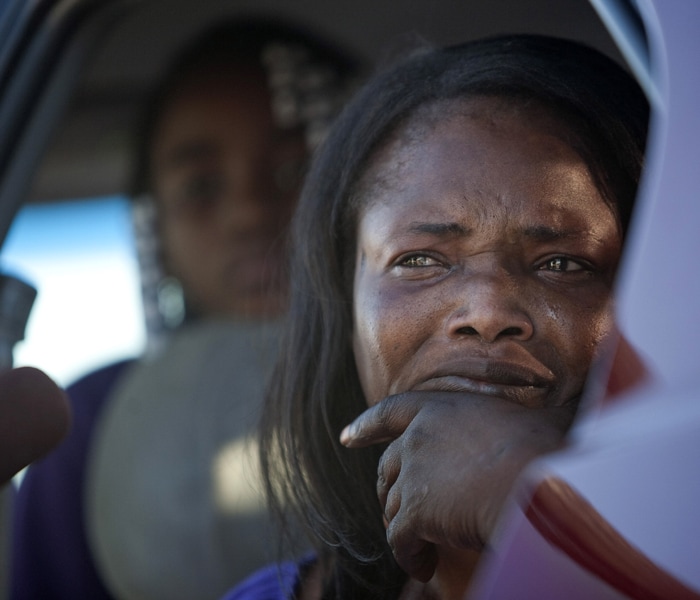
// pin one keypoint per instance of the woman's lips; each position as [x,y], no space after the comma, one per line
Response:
[515,382]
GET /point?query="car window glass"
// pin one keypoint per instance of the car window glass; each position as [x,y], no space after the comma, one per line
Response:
[80,256]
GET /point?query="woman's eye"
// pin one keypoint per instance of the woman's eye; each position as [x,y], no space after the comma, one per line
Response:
[561,263]
[419,260]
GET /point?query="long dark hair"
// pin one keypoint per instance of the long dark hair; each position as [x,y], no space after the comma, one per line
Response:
[315,390]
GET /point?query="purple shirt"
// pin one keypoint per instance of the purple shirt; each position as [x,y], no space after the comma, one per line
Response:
[274,582]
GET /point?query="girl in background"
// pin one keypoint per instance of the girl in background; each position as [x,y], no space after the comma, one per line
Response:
[154,493]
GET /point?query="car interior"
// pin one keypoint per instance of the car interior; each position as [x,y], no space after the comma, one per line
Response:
[73,74]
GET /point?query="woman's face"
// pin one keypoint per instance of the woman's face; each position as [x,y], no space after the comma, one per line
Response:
[226,182]
[485,259]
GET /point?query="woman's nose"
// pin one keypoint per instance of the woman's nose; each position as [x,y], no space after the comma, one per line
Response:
[490,307]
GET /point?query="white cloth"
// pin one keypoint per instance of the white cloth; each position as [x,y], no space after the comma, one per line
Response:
[174,506]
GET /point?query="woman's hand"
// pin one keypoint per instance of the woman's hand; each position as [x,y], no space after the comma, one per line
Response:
[450,465]
[34,418]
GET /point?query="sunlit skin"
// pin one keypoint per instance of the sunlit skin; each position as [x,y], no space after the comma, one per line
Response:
[484,267]
[226,181]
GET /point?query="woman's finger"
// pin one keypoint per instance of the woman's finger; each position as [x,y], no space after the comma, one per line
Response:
[383,422]
[414,555]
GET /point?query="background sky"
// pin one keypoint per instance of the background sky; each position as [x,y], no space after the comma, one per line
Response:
[80,256]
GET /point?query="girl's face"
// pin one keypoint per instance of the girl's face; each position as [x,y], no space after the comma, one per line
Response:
[226,181]
[485,259]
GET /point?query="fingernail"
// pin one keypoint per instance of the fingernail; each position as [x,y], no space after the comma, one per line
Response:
[346,435]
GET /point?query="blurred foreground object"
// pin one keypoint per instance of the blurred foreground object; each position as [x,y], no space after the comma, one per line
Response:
[34,418]
[16,301]
[34,414]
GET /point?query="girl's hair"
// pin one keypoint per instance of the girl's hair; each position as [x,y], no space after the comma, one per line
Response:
[315,390]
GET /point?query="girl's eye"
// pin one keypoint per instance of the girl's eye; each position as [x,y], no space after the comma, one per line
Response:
[202,187]
[419,260]
[561,263]
[197,195]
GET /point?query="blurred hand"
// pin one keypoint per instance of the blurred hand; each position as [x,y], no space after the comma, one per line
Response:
[450,465]
[34,418]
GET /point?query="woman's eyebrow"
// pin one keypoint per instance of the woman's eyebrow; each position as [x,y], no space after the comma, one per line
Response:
[439,229]
[540,233]
[545,233]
